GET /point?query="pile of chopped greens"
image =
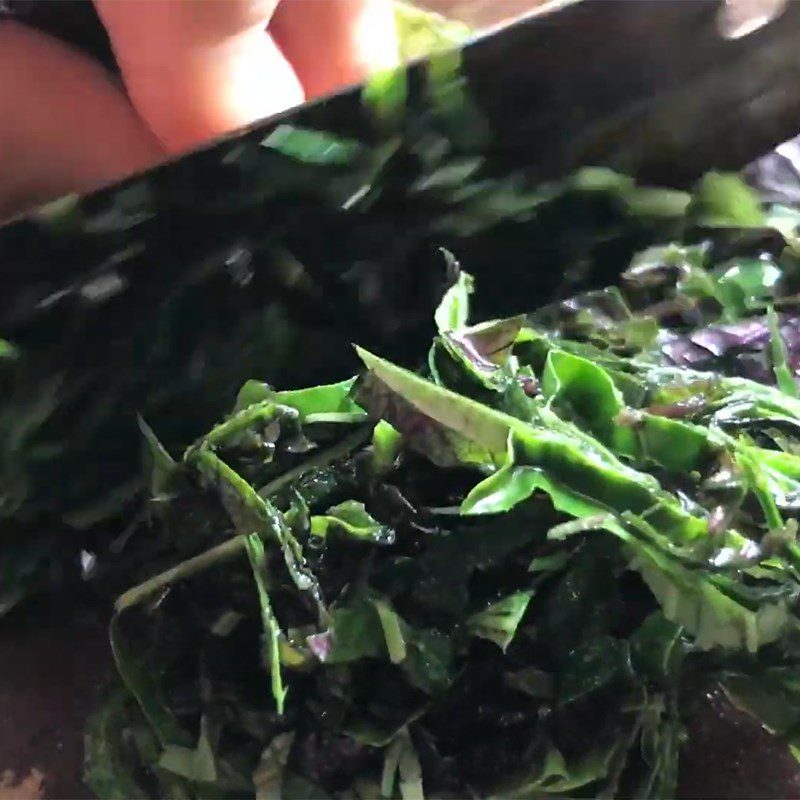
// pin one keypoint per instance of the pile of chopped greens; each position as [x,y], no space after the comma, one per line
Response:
[514,572]
[68,440]
[422,32]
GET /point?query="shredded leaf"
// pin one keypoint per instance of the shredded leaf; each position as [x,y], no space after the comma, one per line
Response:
[272,631]
[510,569]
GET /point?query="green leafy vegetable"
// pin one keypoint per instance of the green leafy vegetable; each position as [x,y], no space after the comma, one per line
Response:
[272,631]
[422,32]
[513,572]
[453,312]
[783,375]
[194,764]
[310,146]
[7,350]
[722,199]
[351,518]
[402,760]
[499,621]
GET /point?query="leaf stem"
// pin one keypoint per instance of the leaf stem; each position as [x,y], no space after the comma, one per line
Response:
[199,563]
[234,546]
[340,449]
[264,411]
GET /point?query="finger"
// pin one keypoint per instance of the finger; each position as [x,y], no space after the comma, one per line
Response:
[65,125]
[198,68]
[335,43]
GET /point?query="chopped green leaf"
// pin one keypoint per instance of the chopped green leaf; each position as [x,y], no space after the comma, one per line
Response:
[268,777]
[724,199]
[499,621]
[272,631]
[453,312]
[195,764]
[513,573]
[783,375]
[392,631]
[7,350]
[311,147]
[352,519]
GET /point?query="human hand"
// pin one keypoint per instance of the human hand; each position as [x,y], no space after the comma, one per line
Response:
[193,69]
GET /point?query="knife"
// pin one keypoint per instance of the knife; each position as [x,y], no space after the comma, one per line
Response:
[265,254]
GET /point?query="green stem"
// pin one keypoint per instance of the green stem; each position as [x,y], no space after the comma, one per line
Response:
[247,510]
[198,563]
[215,469]
[251,513]
[339,450]
[265,411]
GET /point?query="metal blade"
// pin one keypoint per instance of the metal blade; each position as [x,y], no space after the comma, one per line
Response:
[651,88]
